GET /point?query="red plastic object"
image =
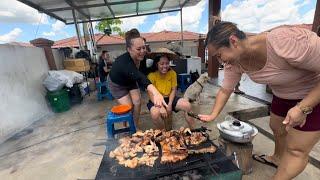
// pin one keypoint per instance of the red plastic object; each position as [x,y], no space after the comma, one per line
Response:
[121,109]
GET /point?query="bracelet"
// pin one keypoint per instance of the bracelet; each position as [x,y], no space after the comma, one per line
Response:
[305,109]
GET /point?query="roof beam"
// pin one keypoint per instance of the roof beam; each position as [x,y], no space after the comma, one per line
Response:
[95,5]
[162,4]
[92,20]
[109,7]
[184,3]
[70,3]
[42,10]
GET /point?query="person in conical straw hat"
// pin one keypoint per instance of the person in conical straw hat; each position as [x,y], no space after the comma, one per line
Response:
[163,51]
[165,81]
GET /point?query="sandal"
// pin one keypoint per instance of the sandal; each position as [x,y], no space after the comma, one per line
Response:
[239,92]
[262,159]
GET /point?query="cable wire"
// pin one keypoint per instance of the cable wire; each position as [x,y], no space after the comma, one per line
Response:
[38,26]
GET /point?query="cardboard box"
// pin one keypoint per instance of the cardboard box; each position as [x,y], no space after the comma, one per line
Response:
[79,62]
[78,68]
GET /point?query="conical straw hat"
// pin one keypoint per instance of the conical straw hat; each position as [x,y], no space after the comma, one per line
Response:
[163,51]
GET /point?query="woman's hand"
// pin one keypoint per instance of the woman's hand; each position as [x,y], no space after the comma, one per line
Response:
[169,109]
[295,117]
[207,118]
[159,101]
[163,112]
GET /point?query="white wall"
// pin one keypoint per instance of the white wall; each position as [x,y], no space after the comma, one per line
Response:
[115,50]
[190,48]
[22,96]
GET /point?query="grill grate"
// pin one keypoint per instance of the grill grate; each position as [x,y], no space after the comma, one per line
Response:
[110,169]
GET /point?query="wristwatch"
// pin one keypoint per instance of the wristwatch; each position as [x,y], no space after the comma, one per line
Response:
[305,109]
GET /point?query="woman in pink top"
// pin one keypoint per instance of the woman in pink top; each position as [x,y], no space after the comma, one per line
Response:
[288,60]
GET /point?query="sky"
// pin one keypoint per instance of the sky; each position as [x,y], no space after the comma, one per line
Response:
[21,23]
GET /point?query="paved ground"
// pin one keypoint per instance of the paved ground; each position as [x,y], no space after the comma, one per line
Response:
[70,145]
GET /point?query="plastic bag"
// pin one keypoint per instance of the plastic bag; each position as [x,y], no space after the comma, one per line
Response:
[68,77]
[84,88]
[53,84]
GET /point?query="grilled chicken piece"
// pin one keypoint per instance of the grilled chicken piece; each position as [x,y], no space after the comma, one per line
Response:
[133,163]
[151,149]
[138,133]
[147,160]
[195,138]
[168,157]
[210,149]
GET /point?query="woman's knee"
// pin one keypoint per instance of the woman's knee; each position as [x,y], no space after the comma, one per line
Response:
[155,113]
[136,102]
[183,104]
[297,152]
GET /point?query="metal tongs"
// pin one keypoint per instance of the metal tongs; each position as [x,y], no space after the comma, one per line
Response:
[194,115]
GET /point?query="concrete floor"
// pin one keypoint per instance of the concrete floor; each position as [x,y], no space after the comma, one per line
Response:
[70,145]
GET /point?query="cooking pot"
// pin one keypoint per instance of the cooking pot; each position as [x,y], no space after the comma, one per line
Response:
[237,131]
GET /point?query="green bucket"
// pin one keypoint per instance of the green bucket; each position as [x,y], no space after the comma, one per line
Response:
[58,100]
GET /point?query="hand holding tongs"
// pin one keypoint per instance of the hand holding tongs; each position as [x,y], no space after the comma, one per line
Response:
[194,115]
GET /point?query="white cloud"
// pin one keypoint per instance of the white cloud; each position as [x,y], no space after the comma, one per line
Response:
[11,36]
[261,15]
[12,11]
[190,17]
[51,33]
[57,28]
[133,22]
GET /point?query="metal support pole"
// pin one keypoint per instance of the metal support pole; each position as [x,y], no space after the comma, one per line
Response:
[77,29]
[181,25]
[316,19]
[93,37]
[93,40]
[213,65]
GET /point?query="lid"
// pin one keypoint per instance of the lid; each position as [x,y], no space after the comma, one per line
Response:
[121,109]
[236,128]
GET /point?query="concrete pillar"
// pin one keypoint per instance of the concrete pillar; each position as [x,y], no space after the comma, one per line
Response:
[214,11]
[201,48]
[46,45]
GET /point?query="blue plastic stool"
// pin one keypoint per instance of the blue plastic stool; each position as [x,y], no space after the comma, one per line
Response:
[100,95]
[184,81]
[114,118]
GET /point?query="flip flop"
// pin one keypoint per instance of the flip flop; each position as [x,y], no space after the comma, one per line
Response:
[262,159]
[239,92]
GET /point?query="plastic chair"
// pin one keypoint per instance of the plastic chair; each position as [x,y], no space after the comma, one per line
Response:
[115,118]
[101,95]
[184,81]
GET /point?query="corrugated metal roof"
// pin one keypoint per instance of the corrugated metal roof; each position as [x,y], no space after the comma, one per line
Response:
[95,10]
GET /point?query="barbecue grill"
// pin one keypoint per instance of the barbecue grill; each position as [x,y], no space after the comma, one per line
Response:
[216,164]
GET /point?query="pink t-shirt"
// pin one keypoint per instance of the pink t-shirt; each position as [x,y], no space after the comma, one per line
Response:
[293,64]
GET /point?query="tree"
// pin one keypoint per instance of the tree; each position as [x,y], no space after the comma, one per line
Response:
[112,24]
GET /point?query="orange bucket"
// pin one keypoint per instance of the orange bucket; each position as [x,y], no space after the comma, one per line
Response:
[121,109]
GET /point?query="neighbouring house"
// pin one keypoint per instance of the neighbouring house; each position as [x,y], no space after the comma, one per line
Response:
[193,43]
